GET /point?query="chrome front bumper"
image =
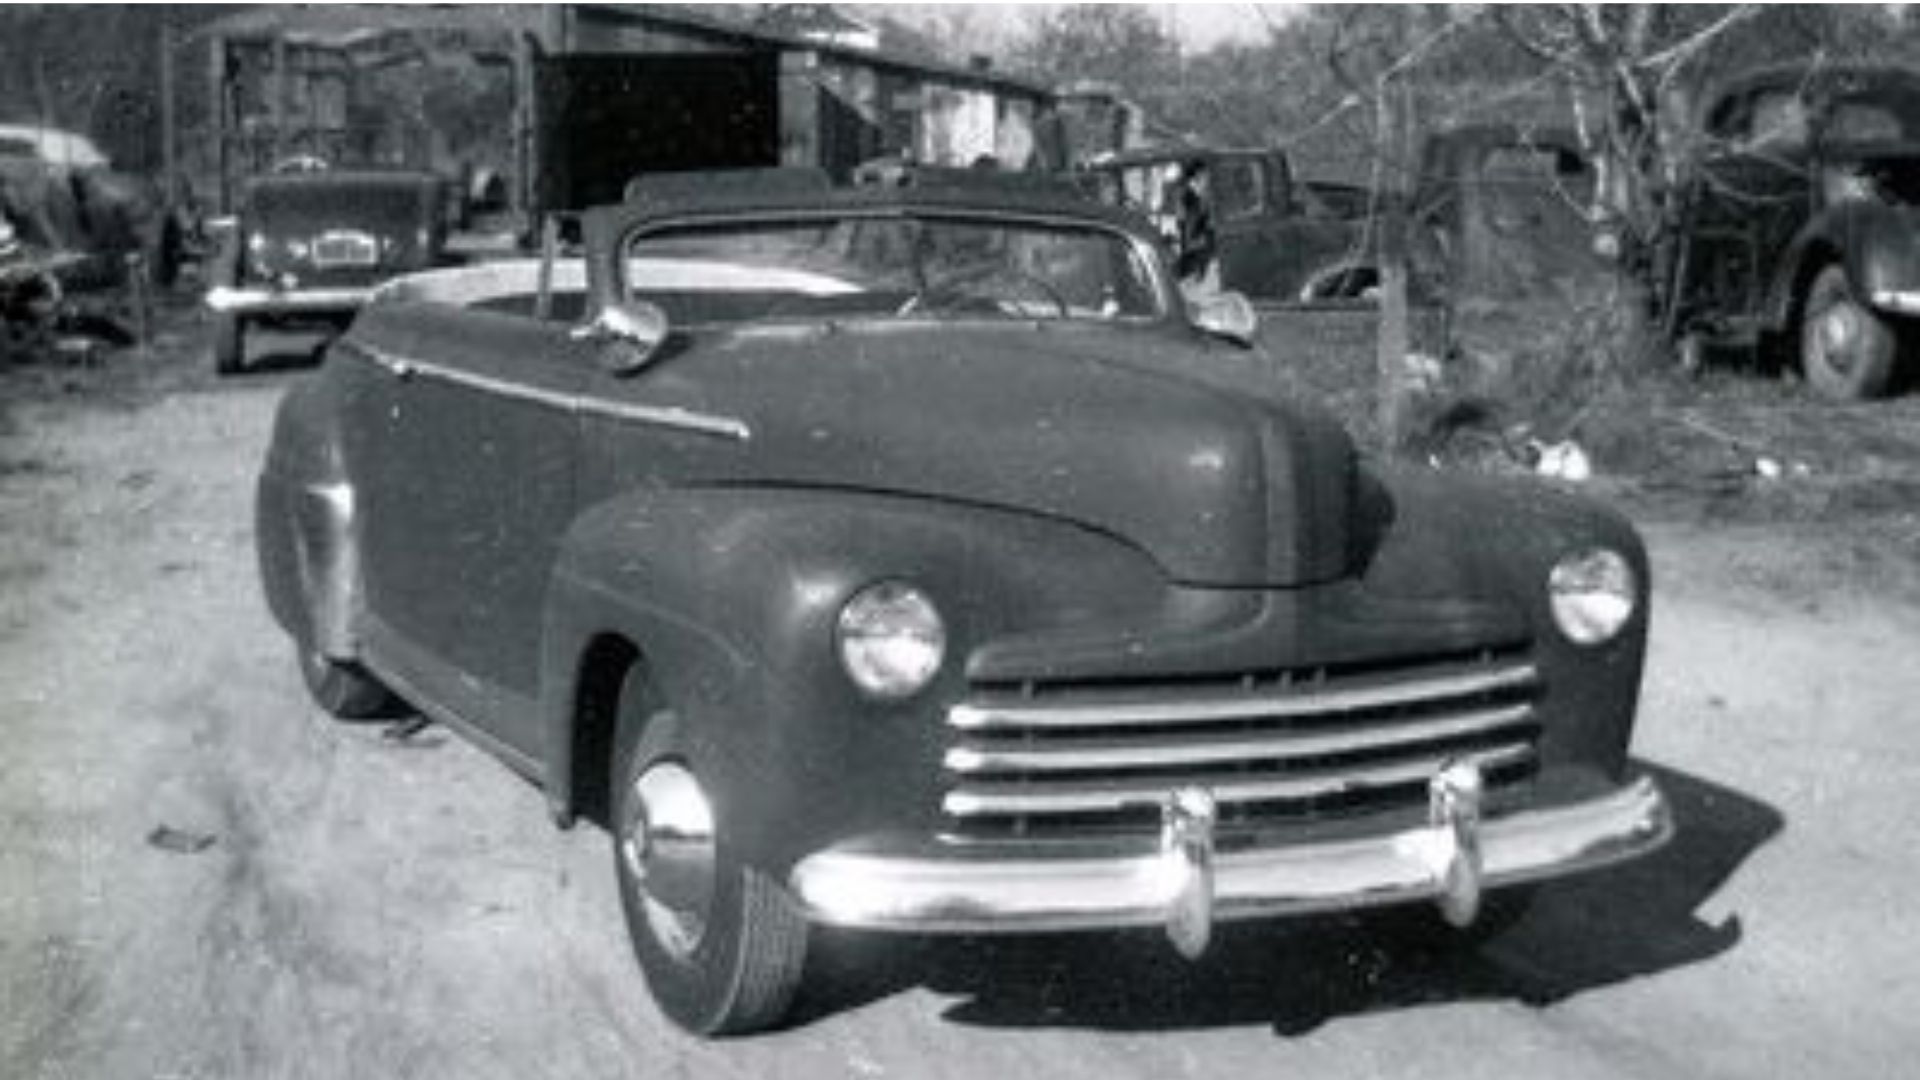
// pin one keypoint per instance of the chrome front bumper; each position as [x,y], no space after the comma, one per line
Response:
[1186,886]
[255,301]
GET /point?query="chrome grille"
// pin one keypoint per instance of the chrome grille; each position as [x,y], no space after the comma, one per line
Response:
[344,248]
[1279,746]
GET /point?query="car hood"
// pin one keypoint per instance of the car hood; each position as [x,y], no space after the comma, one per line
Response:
[1126,431]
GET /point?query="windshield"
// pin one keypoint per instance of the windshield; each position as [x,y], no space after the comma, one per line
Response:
[397,204]
[891,267]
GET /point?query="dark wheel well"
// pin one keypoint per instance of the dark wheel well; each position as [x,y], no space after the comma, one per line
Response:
[596,719]
[1816,259]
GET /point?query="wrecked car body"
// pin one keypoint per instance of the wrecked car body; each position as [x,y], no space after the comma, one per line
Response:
[908,559]
[1797,224]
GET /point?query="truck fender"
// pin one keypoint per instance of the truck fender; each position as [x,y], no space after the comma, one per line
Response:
[1874,242]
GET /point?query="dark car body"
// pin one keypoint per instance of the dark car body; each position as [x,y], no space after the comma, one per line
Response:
[1799,219]
[1278,239]
[309,248]
[90,219]
[1499,213]
[1195,660]
[1494,212]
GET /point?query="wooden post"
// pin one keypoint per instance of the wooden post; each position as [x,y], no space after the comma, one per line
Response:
[169,159]
[1392,128]
[222,123]
[799,108]
[277,102]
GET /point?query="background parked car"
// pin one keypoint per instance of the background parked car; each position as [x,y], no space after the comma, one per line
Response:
[309,247]
[1276,239]
[1797,223]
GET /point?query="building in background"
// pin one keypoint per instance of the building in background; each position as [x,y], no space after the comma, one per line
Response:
[592,95]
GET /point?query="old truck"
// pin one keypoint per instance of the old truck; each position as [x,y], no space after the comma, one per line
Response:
[912,559]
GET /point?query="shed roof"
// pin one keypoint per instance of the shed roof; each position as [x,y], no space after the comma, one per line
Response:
[356,26]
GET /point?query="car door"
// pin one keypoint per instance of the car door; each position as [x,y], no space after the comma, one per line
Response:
[1270,247]
[470,488]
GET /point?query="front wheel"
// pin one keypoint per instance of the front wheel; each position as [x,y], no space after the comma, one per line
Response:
[721,943]
[1846,349]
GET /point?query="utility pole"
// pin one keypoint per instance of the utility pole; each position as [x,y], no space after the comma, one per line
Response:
[1392,128]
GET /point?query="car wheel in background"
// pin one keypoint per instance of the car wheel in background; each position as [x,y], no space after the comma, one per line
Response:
[229,344]
[721,943]
[1690,354]
[1847,351]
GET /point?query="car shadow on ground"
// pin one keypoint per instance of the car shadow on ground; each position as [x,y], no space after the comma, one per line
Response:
[1294,976]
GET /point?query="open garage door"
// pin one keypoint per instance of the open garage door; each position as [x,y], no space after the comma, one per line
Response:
[603,119]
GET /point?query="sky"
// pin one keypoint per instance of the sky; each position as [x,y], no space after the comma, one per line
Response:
[1202,26]
[1198,26]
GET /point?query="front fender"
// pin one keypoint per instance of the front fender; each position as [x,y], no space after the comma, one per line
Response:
[1451,535]
[732,596]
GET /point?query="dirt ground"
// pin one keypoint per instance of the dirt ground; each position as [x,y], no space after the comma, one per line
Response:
[200,877]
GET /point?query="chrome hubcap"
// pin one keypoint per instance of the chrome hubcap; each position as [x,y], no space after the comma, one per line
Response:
[1838,331]
[667,846]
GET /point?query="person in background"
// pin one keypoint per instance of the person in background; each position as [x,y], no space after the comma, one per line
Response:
[1195,243]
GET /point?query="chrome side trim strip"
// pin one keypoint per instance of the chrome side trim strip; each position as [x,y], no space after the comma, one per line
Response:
[1166,709]
[725,427]
[1124,752]
[674,417]
[1110,795]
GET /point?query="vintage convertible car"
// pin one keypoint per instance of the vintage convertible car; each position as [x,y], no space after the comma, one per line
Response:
[906,558]
[309,247]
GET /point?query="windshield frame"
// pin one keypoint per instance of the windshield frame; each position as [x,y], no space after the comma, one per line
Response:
[1165,298]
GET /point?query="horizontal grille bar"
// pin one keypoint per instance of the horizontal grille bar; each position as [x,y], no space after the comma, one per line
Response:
[1276,703]
[1109,796]
[1185,749]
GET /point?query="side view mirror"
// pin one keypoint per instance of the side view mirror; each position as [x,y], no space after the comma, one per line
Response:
[629,333]
[1227,315]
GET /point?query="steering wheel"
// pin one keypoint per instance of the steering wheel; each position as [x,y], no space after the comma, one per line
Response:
[955,286]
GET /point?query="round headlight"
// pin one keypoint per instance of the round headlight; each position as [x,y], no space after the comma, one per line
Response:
[1592,594]
[891,640]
